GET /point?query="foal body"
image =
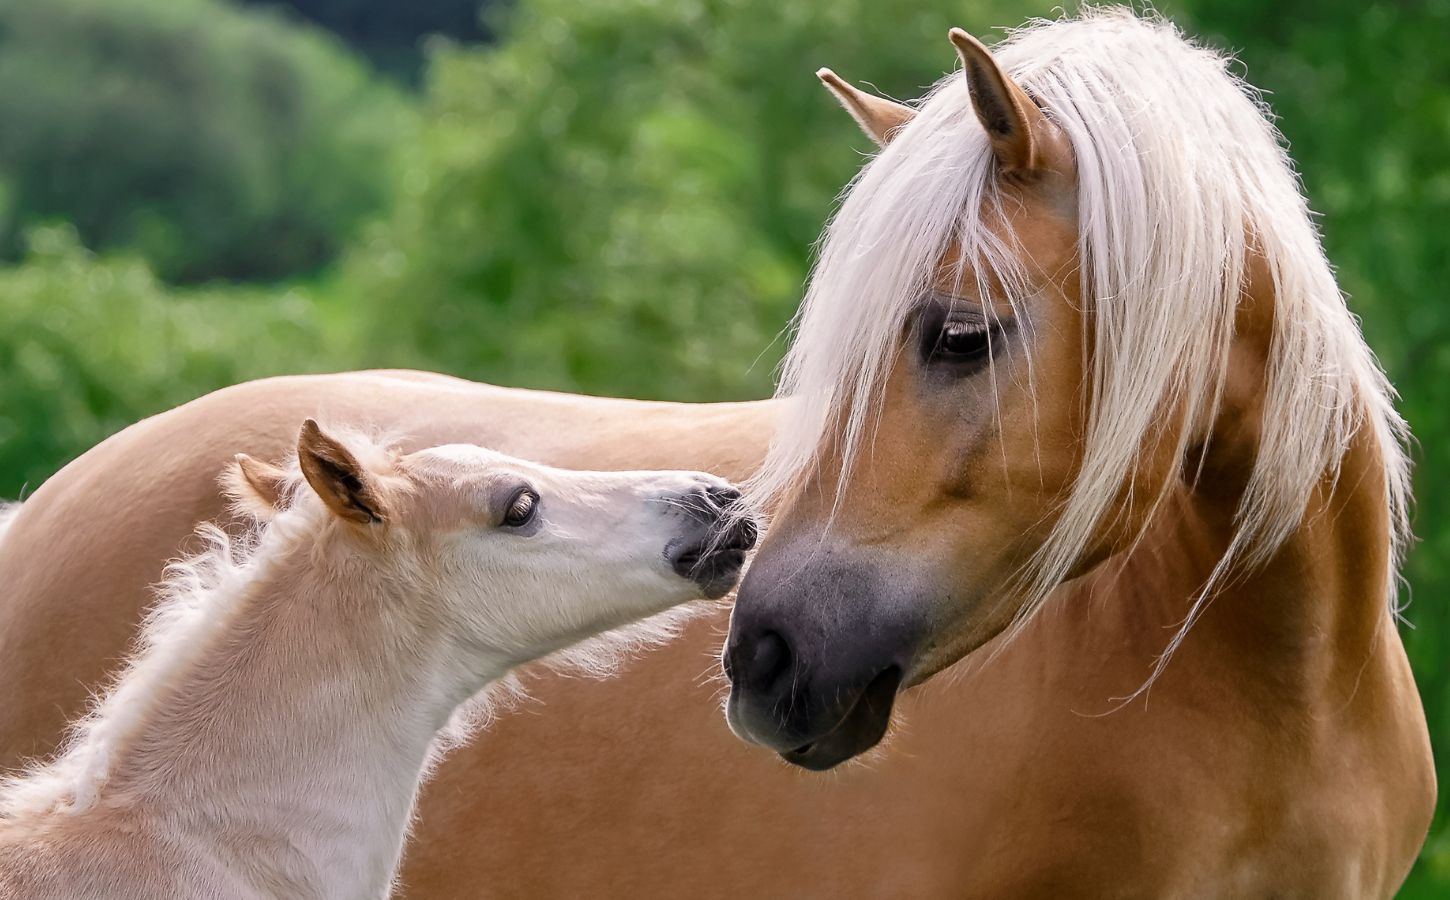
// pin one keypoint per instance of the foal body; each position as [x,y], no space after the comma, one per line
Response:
[269,738]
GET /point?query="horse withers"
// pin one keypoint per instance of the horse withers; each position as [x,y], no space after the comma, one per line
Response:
[268,737]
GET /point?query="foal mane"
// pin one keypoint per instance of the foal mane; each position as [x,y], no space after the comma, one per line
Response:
[198,597]
[1182,174]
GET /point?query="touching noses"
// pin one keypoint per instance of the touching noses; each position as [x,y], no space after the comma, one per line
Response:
[716,536]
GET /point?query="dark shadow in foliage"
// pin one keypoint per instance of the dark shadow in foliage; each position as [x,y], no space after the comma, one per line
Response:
[217,142]
[391,33]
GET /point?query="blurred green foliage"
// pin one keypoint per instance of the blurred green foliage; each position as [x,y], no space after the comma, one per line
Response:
[89,345]
[627,189]
[214,143]
[621,197]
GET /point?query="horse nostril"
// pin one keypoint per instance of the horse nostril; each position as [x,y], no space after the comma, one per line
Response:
[765,660]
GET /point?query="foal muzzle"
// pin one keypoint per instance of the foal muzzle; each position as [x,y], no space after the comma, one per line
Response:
[712,551]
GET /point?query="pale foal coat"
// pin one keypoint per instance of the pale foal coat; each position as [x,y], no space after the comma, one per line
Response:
[269,736]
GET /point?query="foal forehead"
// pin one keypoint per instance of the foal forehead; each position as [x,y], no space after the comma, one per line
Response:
[457,484]
[460,463]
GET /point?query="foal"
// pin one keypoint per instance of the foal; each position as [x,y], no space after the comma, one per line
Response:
[269,736]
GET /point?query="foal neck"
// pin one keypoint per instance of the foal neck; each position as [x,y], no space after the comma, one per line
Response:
[300,722]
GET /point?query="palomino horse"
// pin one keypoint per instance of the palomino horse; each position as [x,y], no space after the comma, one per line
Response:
[1074,367]
[268,738]
[1284,741]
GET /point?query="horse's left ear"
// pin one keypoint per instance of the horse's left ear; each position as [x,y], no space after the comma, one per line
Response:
[880,118]
[1023,139]
[343,483]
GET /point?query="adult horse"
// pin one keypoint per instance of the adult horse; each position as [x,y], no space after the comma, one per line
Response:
[1284,742]
[1073,367]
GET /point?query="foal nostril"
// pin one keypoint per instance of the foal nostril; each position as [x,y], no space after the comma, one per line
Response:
[734,531]
[723,494]
[763,662]
[743,533]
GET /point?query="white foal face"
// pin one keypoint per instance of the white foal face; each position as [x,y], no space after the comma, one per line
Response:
[528,559]
[509,560]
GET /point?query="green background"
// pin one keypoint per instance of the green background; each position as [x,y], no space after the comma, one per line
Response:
[611,196]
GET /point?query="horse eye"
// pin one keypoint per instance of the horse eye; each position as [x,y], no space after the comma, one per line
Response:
[963,342]
[521,508]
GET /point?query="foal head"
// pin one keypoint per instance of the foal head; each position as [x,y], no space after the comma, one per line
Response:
[1068,268]
[507,560]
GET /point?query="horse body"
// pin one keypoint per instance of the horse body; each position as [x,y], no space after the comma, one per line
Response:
[1003,780]
[1282,749]
[1072,344]
[1014,776]
[106,582]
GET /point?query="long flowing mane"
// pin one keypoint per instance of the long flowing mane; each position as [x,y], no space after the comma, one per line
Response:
[1182,175]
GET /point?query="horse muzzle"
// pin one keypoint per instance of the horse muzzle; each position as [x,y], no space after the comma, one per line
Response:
[815,657]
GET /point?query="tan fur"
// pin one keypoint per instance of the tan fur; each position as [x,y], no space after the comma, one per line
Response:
[1283,750]
[878,117]
[1012,121]
[256,487]
[267,736]
[1283,753]
[679,807]
[343,483]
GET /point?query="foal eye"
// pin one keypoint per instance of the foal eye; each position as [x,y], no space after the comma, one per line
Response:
[521,508]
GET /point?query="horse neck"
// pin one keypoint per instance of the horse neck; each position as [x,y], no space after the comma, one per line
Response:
[1302,626]
[304,721]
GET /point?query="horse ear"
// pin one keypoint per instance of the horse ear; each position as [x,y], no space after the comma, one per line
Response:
[1023,139]
[257,486]
[343,483]
[878,117]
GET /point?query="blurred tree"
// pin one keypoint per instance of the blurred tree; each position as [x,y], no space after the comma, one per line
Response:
[89,346]
[622,196]
[216,142]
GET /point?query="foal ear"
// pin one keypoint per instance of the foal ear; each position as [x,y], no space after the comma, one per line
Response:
[878,117]
[1023,139]
[343,483]
[257,486]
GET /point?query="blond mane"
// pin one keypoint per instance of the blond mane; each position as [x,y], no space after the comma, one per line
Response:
[1182,174]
